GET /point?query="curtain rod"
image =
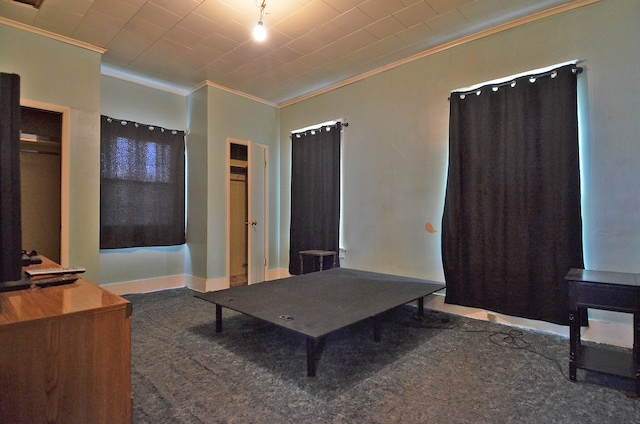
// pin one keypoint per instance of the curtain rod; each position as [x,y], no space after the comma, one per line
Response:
[511,82]
[318,127]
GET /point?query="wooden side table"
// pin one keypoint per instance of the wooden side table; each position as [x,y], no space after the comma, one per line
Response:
[611,291]
[320,254]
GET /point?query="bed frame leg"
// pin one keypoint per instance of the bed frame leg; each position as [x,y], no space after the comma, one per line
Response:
[421,307]
[376,329]
[311,357]
[218,319]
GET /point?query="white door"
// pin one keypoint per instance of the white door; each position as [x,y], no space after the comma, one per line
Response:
[257,217]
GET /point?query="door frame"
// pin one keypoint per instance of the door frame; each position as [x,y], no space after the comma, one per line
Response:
[247,143]
[65,170]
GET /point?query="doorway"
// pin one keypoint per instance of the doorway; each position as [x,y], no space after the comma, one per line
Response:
[238,214]
[41,181]
[247,233]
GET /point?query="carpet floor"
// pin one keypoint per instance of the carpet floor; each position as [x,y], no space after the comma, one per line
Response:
[443,369]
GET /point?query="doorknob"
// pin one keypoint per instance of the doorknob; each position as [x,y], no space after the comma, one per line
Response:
[252,223]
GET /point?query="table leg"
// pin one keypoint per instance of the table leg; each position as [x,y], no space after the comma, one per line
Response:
[311,357]
[334,261]
[574,335]
[218,319]
[321,259]
[421,307]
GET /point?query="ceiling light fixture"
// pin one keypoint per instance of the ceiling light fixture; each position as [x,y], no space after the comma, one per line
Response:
[259,32]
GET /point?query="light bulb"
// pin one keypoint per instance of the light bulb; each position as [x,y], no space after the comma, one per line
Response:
[259,32]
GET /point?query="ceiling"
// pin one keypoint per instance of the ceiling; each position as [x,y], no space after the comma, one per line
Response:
[312,45]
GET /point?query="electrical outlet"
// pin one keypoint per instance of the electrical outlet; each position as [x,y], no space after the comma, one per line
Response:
[342,252]
[491,317]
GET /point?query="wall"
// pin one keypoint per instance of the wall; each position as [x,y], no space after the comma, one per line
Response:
[125,100]
[395,151]
[228,116]
[66,75]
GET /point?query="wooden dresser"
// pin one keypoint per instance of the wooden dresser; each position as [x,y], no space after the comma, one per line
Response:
[65,355]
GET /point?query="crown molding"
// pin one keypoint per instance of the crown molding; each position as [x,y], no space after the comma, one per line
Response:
[109,72]
[51,35]
[207,83]
[446,46]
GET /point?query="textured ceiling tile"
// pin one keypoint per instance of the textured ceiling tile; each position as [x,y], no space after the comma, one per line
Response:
[183,36]
[275,39]
[310,43]
[286,54]
[296,68]
[115,8]
[18,13]
[316,13]
[485,10]
[378,9]
[217,11]
[328,33]
[449,22]
[237,58]
[415,14]
[267,62]
[143,28]
[306,44]
[343,5]
[295,26]
[181,8]
[235,32]
[255,50]
[199,24]
[219,43]
[159,16]
[352,20]
[97,28]
[128,45]
[68,6]
[415,34]
[444,6]
[58,22]
[385,27]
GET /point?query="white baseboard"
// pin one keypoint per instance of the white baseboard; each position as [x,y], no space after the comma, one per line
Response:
[600,330]
[147,285]
[165,283]
[274,274]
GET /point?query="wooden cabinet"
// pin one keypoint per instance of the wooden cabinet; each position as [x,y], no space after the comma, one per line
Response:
[65,355]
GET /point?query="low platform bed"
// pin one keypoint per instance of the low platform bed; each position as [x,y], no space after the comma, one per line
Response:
[320,303]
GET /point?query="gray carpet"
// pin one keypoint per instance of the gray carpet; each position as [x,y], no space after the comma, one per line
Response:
[430,371]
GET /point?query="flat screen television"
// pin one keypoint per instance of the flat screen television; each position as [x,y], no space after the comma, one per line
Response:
[11,274]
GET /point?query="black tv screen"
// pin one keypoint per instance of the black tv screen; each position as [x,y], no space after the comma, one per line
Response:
[10,226]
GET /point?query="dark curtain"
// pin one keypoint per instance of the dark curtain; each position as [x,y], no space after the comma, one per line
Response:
[512,226]
[142,193]
[315,193]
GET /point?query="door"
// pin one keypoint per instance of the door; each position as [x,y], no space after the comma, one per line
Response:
[40,180]
[257,217]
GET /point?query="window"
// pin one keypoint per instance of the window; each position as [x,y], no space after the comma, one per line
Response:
[142,193]
[315,191]
[512,225]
